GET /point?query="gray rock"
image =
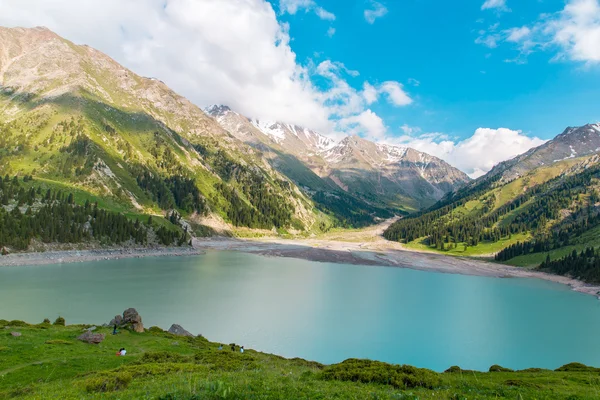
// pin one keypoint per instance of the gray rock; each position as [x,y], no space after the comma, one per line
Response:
[178,330]
[16,334]
[130,320]
[131,317]
[92,338]
[118,320]
[91,328]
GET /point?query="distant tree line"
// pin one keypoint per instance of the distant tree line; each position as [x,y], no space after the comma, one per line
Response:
[52,216]
[584,265]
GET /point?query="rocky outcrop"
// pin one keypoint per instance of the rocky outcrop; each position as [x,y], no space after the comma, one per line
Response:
[178,330]
[91,338]
[131,319]
[17,334]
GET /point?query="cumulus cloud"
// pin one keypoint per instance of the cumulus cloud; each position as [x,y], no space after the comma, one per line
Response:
[232,52]
[331,31]
[367,124]
[573,33]
[475,155]
[576,30]
[395,94]
[370,93]
[376,11]
[495,4]
[293,6]
[391,89]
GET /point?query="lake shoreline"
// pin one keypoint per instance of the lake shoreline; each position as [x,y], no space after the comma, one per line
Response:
[315,250]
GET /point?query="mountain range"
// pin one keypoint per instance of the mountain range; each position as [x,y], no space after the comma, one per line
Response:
[389,176]
[55,94]
[73,120]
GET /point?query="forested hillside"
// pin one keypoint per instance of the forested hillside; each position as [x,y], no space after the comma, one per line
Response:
[546,212]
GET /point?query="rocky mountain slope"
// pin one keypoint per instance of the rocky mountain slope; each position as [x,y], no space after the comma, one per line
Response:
[574,142]
[390,176]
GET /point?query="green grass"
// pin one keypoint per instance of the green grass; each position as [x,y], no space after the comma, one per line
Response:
[47,362]
[482,249]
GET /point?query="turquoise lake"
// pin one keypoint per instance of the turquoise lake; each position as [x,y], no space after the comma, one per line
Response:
[322,311]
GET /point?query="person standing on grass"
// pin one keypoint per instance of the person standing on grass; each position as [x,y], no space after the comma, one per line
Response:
[242,349]
[115,329]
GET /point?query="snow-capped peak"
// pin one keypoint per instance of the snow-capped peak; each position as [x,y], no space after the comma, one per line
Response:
[393,153]
[270,128]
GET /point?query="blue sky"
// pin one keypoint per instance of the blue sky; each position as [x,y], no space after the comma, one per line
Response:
[473,82]
[462,85]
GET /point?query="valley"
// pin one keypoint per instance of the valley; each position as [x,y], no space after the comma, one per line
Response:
[95,158]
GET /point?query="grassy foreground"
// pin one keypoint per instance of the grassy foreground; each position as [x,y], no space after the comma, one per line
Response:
[47,362]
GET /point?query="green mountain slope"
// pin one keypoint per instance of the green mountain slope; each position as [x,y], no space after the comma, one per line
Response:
[549,210]
[77,121]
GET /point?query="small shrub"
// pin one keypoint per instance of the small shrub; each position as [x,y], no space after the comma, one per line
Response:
[226,360]
[534,370]
[107,382]
[164,357]
[453,369]
[59,341]
[3,323]
[498,368]
[576,367]
[46,321]
[60,321]
[16,322]
[367,371]
[155,329]
[304,363]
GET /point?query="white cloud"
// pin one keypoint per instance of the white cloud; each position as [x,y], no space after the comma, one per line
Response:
[369,93]
[414,82]
[324,14]
[331,31]
[495,4]
[396,95]
[367,124]
[293,6]
[377,10]
[573,32]
[576,30]
[391,89]
[475,155]
[517,34]
[232,52]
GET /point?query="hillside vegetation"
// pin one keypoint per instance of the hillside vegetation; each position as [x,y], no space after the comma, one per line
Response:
[47,362]
[78,122]
[549,209]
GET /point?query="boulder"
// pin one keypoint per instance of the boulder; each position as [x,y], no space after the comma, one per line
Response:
[117,320]
[178,330]
[91,328]
[16,334]
[92,338]
[130,320]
